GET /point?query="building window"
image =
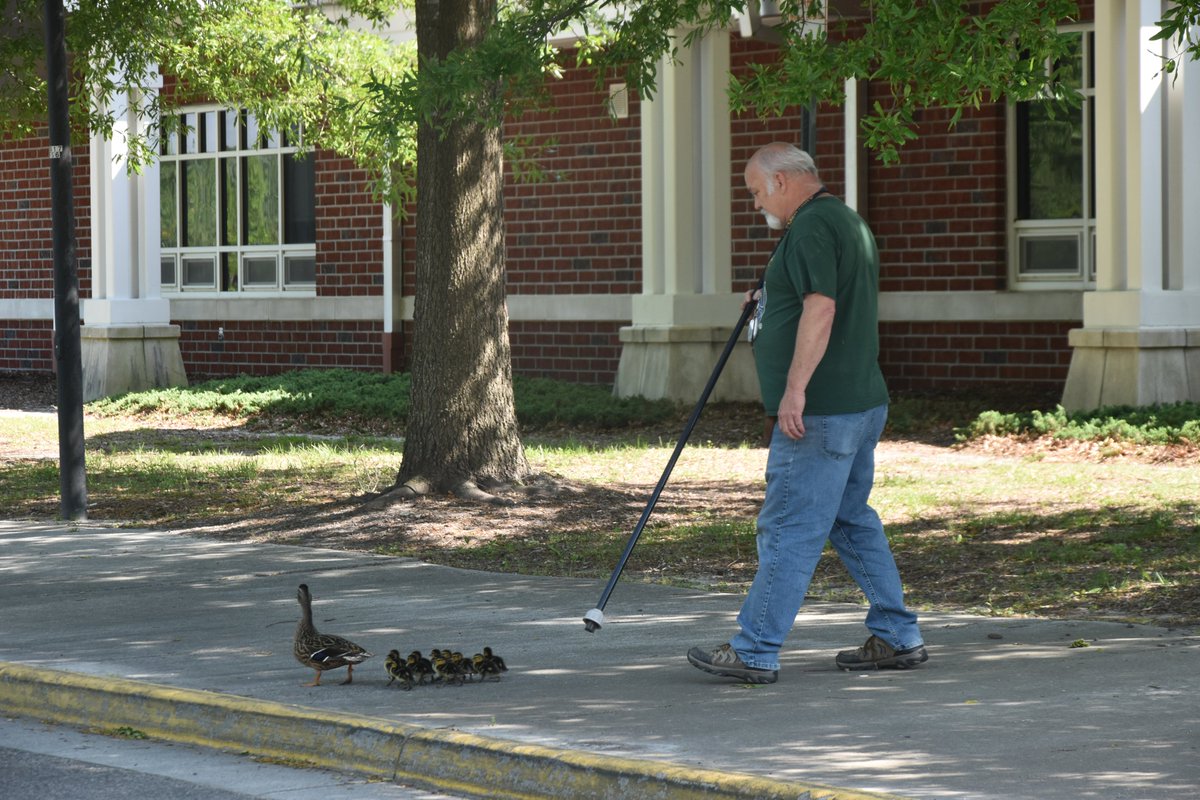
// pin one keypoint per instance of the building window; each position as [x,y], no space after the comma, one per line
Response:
[237,207]
[1053,236]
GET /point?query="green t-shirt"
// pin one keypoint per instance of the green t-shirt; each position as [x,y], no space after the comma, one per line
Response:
[827,249]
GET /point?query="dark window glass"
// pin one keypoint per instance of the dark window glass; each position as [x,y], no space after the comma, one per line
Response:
[299,200]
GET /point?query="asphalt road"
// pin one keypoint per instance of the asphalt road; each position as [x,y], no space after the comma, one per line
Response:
[50,762]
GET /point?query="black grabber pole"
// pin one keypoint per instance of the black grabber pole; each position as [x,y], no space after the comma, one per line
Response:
[593,619]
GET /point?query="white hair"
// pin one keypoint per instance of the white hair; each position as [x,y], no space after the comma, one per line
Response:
[782,157]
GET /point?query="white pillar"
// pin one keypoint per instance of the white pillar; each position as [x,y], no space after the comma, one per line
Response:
[1144,115]
[125,234]
[687,309]
[686,175]
[128,342]
[850,122]
[1140,341]
[1186,171]
[1110,146]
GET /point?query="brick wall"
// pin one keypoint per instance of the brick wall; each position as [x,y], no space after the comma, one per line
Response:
[974,355]
[580,352]
[578,231]
[26,345]
[939,215]
[216,348]
[349,227]
[26,244]
[752,240]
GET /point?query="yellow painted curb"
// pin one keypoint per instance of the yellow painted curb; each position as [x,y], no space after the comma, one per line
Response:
[445,760]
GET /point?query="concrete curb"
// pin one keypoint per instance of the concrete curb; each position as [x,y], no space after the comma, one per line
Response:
[444,760]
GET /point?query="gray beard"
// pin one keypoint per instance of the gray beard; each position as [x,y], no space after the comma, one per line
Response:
[773,222]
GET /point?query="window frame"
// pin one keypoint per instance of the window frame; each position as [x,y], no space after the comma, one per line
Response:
[187,144]
[1022,232]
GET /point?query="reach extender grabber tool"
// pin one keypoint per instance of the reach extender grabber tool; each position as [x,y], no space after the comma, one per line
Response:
[593,619]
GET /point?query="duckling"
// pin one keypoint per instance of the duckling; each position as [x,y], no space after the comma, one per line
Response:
[495,659]
[323,651]
[420,667]
[443,670]
[463,666]
[397,669]
[486,667]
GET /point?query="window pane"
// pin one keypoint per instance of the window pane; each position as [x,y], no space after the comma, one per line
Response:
[168,221]
[168,143]
[1052,255]
[260,271]
[229,201]
[200,202]
[1090,39]
[299,200]
[261,199]
[190,134]
[1090,106]
[1050,153]
[166,272]
[229,130]
[258,138]
[300,270]
[200,272]
[229,272]
[250,131]
[207,123]
[1071,64]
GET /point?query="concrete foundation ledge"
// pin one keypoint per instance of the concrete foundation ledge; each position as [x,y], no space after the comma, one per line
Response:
[444,760]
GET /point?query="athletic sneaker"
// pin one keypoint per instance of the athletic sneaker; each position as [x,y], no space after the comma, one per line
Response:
[724,661]
[878,654]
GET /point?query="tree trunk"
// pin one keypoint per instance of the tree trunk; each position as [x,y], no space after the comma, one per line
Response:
[462,427]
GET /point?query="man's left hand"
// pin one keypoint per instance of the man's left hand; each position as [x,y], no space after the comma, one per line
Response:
[791,414]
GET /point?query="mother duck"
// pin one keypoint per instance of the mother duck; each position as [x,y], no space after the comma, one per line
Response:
[323,651]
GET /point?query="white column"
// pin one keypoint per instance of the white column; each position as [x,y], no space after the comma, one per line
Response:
[850,142]
[1140,341]
[1186,169]
[1110,147]
[654,202]
[716,205]
[687,307]
[125,234]
[686,202]
[1146,108]
[127,340]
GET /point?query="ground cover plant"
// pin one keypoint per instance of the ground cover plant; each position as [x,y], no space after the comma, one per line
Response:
[999,509]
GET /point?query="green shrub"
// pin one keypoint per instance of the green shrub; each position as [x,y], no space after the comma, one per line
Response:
[540,402]
[1160,424]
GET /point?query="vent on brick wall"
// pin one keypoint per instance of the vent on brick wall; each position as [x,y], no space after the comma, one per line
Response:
[618,101]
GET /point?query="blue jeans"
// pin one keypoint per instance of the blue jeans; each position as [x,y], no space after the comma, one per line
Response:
[817,490]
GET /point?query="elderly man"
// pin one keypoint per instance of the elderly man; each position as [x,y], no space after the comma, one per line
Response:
[816,349]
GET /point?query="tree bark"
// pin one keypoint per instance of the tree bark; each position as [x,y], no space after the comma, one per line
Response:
[462,429]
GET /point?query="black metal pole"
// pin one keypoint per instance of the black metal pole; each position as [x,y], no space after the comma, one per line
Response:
[593,619]
[67,350]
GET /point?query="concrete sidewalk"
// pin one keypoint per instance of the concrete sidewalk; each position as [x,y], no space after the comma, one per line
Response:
[190,639]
